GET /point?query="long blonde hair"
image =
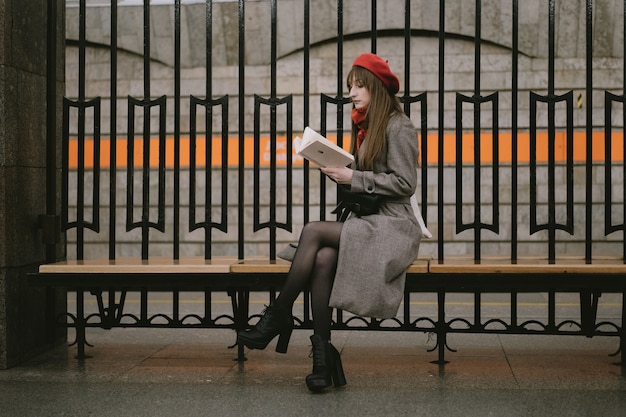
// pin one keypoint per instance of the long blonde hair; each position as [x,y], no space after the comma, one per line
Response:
[381,106]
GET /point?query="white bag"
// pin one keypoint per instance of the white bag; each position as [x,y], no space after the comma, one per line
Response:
[418,214]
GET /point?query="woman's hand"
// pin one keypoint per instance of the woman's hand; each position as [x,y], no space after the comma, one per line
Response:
[341,175]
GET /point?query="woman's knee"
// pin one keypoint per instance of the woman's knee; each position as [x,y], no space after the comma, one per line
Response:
[326,258]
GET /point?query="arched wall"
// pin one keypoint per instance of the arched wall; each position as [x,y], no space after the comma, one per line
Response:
[495,28]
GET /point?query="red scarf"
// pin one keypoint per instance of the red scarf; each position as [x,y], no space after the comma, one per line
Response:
[358,118]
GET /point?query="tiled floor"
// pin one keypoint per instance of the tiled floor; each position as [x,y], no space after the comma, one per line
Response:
[191,372]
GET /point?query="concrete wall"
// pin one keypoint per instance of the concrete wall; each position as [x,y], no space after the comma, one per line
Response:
[24,328]
[495,68]
[459,18]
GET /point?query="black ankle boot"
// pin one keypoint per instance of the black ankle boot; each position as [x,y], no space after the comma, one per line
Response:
[274,322]
[327,368]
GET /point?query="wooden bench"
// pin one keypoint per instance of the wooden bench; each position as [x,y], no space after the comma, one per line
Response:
[110,281]
[526,275]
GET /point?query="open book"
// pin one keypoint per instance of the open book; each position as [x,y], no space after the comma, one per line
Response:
[318,149]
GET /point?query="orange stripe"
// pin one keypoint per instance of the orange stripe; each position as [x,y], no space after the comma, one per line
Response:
[185,152]
[523,147]
[449,143]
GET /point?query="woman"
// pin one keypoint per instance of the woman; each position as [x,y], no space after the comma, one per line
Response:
[358,265]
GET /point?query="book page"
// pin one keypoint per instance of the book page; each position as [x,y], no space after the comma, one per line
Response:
[321,151]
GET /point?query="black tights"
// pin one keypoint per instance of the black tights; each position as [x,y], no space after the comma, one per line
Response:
[314,267]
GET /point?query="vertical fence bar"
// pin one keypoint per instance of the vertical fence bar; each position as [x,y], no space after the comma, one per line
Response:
[551,131]
[477,139]
[589,130]
[440,130]
[407,58]
[373,30]
[306,106]
[341,101]
[146,130]
[306,119]
[177,103]
[514,127]
[273,127]
[82,75]
[113,136]
[82,45]
[242,126]
[340,79]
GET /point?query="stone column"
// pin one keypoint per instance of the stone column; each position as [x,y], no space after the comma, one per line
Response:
[26,313]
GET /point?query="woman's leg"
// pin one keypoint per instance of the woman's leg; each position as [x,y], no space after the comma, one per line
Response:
[321,286]
[308,263]
[327,367]
[316,258]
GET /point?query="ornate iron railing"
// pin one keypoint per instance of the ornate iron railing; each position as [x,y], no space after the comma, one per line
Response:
[487,181]
[481,127]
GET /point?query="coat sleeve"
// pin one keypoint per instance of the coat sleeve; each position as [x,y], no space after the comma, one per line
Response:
[395,174]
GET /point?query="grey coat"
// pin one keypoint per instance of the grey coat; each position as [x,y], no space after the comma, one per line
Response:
[375,250]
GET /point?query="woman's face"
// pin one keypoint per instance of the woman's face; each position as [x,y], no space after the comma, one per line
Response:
[359,95]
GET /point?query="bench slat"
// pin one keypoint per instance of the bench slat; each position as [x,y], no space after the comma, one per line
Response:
[527,265]
[260,266]
[418,267]
[263,265]
[159,265]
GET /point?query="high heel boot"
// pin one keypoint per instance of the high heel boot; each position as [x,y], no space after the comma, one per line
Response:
[327,368]
[274,322]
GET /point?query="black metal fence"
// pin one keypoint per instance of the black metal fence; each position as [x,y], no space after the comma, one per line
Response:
[478,200]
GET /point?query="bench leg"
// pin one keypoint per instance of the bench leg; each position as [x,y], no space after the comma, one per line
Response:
[441,329]
[589,311]
[622,337]
[80,325]
[240,300]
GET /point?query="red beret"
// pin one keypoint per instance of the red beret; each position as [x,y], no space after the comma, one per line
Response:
[380,68]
